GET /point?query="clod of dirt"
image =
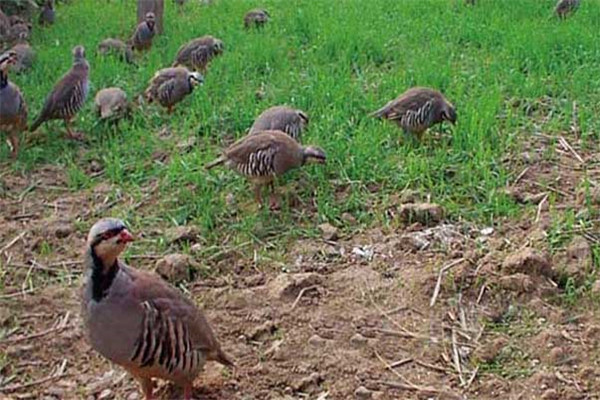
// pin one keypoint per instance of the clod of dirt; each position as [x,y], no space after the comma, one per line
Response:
[288,286]
[362,393]
[519,283]
[309,384]
[317,341]
[348,218]
[550,394]
[556,355]
[176,268]
[329,232]
[578,258]
[592,334]
[528,261]
[60,229]
[596,288]
[488,352]
[357,340]
[181,234]
[424,213]
[262,332]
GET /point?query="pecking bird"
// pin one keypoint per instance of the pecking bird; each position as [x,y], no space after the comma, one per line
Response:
[111,103]
[256,18]
[68,95]
[566,7]
[418,109]
[117,47]
[266,155]
[171,85]
[144,33]
[197,53]
[47,14]
[13,109]
[19,30]
[138,321]
[281,118]
[25,55]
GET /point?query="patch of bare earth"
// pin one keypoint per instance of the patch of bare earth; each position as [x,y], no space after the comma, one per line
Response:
[424,309]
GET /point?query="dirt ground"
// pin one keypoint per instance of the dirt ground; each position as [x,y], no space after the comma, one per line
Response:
[351,316]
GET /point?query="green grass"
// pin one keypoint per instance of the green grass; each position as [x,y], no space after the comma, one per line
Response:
[338,60]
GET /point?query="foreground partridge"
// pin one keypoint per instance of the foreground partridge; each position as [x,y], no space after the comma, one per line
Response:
[418,109]
[281,118]
[117,47]
[68,95]
[144,33]
[171,85]
[137,320]
[266,155]
[13,109]
[47,14]
[197,53]
[566,7]
[111,103]
[256,18]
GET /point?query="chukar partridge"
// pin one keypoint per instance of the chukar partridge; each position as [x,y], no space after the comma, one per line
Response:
[281,118]
[25,55]
[144,33]
[197,53]
[111,103]
[19,30]
[138,321]
[117,47]
[256,18]
[68,95]
[171,85]
[47,14]
[13,109]
[566,7]
[418,109]
[4,25]
[266,155]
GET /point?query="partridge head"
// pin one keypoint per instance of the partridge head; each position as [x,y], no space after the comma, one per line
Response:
[13,108]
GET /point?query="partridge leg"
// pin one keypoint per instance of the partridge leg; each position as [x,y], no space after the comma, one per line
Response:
[14,144]
[257,194]
[147,387]
[188,392]
[273,198]
[70,133]
[170,110]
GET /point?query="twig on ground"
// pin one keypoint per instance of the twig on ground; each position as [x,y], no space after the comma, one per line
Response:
[540,207]
[472,378]
[563,142]
[304,290]
[13,242]
[438,284]
[456,359]
[520,176]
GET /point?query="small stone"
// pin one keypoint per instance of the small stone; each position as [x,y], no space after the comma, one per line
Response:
[424,213]
[486,231]
[196,248]
[181,234]
[95,166]
[230,199]
[329,232]
[363,393]
[175,268]
[133,396]
[317,341]
[357,340]
[288,286]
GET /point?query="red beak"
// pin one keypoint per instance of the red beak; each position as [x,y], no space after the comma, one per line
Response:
[125,236]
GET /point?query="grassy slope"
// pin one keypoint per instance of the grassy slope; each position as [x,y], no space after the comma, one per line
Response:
[338,61]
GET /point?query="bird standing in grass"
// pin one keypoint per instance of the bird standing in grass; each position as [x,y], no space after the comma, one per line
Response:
[138,321]
[25,55]
[13,109]
[68,96]
[47,14]
[117,47]
[144,33]
[281,118]
[171,85]
[417,110]
[266,155]
[111,104]
[197,53]
[566,7]
[256,18]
